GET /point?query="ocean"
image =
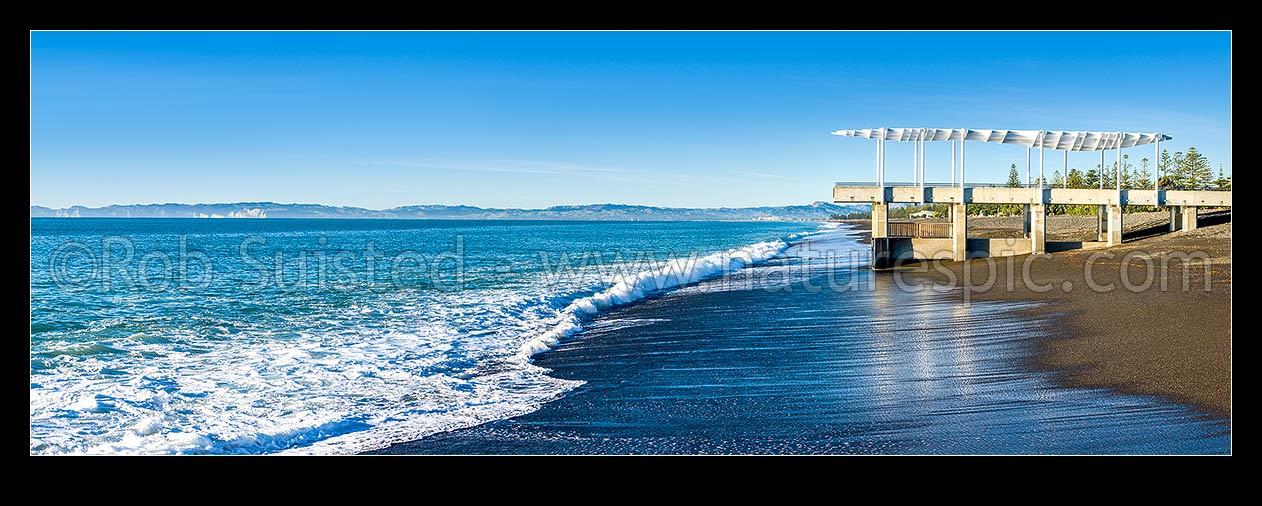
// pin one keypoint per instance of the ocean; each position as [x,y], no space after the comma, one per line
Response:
[161,336]
[167,336]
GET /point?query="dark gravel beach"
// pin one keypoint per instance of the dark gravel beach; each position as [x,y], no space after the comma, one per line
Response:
[1167,342]
[1170,342]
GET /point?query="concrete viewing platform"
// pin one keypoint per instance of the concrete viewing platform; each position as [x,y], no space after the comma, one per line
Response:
[952,242]
[891,242]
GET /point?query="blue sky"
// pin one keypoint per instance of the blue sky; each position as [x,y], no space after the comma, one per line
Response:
[517,119]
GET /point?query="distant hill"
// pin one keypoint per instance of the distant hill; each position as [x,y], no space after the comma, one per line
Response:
[814,211]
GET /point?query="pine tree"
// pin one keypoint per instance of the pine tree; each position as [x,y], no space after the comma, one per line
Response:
[1075,178]
[1091,179]
[1057,180]
[1143,179]
[1014,179]
[1125,174]
[1222,183]
[1198,175]
[1163,165]
[1177,172]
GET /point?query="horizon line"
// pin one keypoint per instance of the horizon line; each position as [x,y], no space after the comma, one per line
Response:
[429,205]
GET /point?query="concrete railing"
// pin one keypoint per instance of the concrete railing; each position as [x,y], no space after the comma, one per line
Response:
[1002,195]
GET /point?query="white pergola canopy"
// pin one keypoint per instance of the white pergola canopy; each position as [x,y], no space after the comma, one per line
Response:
[1059,140]
[1050,139]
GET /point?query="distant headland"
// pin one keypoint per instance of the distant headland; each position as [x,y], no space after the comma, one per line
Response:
[813,211]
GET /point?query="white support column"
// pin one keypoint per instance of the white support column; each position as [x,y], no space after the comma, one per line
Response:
[922,167]
[920,158]
[880,147]
[882,141]
[1041,180]
[962,144]
[1156,178]
[923,160]
[1117,171]
[1066,173]
[1101,168]
[1028,181]
[952,162]
[915,160]
[878,162]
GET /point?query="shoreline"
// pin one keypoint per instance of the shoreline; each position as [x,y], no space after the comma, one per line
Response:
[662,378]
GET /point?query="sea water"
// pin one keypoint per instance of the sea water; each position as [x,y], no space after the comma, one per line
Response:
[169,336]
[175,336]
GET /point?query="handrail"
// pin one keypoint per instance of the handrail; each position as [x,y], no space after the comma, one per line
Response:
[933,229]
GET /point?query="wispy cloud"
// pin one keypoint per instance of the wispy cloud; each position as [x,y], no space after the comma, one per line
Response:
[766,175]
[548,168]
[509,167]
[569,167]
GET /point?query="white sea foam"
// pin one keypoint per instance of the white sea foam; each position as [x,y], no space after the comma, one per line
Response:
[631,288]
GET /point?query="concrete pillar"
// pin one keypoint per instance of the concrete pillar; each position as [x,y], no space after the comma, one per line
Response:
[1115,225]
[880,220]
[1025,221]
[1038,228]
[880,235]
[1175,216]
[1189,218]
[959,231]
[1101,223]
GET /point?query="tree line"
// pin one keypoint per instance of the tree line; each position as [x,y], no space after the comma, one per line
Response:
[1181,171]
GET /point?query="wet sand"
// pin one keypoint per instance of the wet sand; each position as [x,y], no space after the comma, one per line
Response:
[1168,342]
